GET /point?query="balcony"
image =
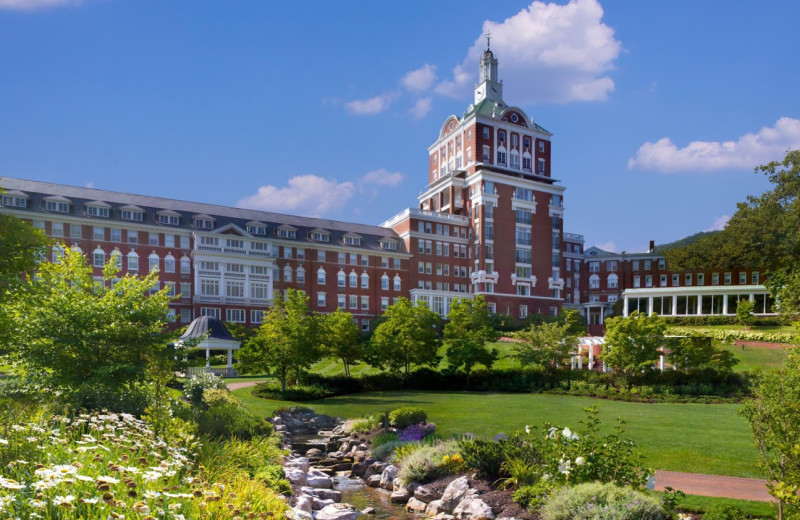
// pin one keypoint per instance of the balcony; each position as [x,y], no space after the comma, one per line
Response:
[230,300]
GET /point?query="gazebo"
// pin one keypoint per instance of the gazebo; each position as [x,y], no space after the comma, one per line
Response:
[214,336]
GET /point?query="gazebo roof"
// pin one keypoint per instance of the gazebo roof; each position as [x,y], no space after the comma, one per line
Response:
[207,325]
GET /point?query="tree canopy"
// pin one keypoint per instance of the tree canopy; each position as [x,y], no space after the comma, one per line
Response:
[632,344]
[468,330]
[406,338]
[287,342]
[550,345]
[340,338]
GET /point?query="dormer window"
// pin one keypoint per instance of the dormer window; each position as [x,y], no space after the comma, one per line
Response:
[203,222]
[169,218]
[320,235]
[133,213]
[98,209]
[286,232]
[389,245]
[256,228]
[57,204]
[15,199]
[351,239]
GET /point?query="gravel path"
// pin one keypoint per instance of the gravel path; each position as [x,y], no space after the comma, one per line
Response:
[243,384]
[714,485]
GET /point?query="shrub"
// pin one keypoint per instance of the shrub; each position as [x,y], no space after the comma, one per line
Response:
[520,472]
[272,475]
[724,512]
[402,417]
[216,397]
[236,458]
[232,421]
[532,497]
[364,424]
[416,432]
[299,393]
[485,457]
[386,449]
[595,501]
[429,462]
[195,386]
[383,438]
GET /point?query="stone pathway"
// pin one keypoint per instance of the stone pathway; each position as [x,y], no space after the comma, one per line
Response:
[714,485]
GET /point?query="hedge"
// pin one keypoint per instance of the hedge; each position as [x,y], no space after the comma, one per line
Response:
[729,336]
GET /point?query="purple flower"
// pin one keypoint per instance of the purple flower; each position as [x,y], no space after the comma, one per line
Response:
[500,436]
[416,432]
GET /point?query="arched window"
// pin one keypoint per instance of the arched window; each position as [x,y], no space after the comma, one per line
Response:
[133,261]
[341,279]
[353,279]
[397,282]
[186,265]
[384,282]
[321,276]
[287,274]
[301,275]
[364,280]
[594,282]
[58,254]
[153,261]
[99,258]
[117,257]
[169,263]
[613,281]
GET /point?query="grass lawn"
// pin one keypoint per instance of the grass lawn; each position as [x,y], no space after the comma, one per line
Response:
[698,504]
[751,358]
[696,438]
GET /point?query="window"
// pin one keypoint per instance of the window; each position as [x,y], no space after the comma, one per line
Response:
[57,229]
[301,276]
[133,261]
[353,301]
[186,290]
[635,265]
[133,237]
[116,256]
[97,211]
[209,287]
[613,281]
[153,239]
[60,207]
[501,137]
[257,229]
[522,216]
[688,279]
[76,231]
[340,279]
[396,282]
[522,194]
[99,259]
[256,316]
[169,264]
[170,220]
[352,240]
[647,265]
[15,201]
[523,256]
[541,146]
[714,278]
[203,223]
[523,312]
[523,236]
[234,315]
[353,259]
[486,154]
[321,276]
[211,312]
[384,303]
[353,279]
[526,163]
[594,267]
[365,303]
[501,158]
[341,301]
[727,278]
[186,315]
[170,287]
[611,265]
[648,280]
[486,132]
[594,282]
[754,278]
[384,283]
[701,279]
[287,233]
[540,168]
[287,252]
[515,161]
[287,274]
[742,278]
[153,262]
[129,214]
[675,280]
[637,281]
[116,235]
[663,280]
[321,300]
[662,263]
[186,265]
[259,291]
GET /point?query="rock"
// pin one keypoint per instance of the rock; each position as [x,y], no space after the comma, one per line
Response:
[336,512]
[424,494]
[368,511]
[281,428]
[415,506]
[317,479]
[473,509]
[455,492]
[277,420]
[305,504]
[376,468]
[336,454]
[314,452]
[400,496]
[329,494]
[360,456]
[298,514]
[320,503]
[443,516]
[374,481]
[362,447]
[306,490]
[359,468]
[388,476]
[300,463]
[433,508]
[295,476]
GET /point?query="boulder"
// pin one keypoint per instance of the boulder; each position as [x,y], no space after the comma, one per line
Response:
[443,516]
[359,468]
[433,508]
[473,509]
[319,480]
[455,492]
[374,481]
[425,494]
[320,503]
[277,420]
[300,463]
[304,504]
[295,476]
[360,456]
[329,494]
[415,506]
[368,511]
[400,496]
[336,454]
[388,476]
[336,512]
[314,452]
[299,514]
[309,491]
[376,468]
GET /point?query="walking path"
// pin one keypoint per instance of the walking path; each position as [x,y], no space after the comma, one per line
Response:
[714,485]
[689,483]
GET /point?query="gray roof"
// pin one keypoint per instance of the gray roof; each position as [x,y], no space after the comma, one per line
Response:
[223,215]
[206,325]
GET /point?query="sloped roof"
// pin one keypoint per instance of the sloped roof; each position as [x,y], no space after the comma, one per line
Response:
[206,325]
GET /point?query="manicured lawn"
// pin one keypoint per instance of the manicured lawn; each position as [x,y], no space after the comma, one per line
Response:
[680,437]
[698,504]
[751,358]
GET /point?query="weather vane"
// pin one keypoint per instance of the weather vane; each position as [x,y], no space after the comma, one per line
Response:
[489,40]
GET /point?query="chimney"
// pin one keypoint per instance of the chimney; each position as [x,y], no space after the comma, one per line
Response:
[652,246]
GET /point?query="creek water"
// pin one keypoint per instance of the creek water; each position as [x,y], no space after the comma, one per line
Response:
[361,496]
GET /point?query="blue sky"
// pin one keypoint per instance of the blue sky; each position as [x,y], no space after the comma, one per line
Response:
[660,110]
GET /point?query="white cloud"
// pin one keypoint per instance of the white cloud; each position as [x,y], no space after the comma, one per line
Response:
[308,195]
[547,52]
[382,177]
[719,223]
[607,246]
[420,79]
[421,108]
[90,184]
[32,5]
[750,150]
[371,106]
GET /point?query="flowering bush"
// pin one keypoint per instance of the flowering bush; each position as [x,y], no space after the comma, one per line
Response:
[195,386]
[595,501]
[416,432]
[107,465]
[430,461]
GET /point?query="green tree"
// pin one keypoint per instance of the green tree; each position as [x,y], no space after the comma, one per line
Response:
[340,338]
[699,352]
[550,345]
[632,344]
[407,337]
[90,339]
[286,343]
[744,313]
[774,417]
[466,334]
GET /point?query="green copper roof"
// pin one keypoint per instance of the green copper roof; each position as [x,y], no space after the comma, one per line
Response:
[486,107]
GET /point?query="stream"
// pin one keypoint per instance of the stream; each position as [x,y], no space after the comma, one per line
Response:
[361,496]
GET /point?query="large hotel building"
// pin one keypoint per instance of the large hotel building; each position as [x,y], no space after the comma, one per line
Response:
[490,221]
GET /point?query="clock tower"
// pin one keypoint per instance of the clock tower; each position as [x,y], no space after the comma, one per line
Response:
[489,86]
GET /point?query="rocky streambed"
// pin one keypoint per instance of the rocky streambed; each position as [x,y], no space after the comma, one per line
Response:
[335,478]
